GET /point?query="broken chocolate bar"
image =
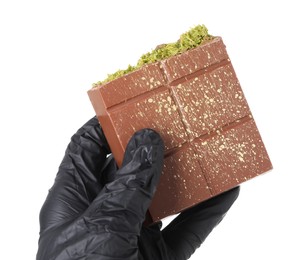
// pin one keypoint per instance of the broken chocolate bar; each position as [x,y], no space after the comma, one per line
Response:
[195,102]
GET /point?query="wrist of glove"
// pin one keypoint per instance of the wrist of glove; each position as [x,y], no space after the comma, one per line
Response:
[96,211]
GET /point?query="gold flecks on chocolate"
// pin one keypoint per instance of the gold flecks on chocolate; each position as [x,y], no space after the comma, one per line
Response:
[196,104]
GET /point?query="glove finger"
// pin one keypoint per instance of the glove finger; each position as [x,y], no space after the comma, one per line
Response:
[78,181]
[152,245]
[189,230]
[122,203]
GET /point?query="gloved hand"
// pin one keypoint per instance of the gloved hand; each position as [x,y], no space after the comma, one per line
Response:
[95,211]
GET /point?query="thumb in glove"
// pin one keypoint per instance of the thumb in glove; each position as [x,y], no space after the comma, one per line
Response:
[122,203]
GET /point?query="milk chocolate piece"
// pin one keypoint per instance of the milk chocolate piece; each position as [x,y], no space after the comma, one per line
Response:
[194,100]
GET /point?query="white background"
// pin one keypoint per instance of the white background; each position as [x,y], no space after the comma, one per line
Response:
[52,51]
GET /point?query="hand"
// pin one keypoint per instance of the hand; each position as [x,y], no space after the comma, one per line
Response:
[95,211]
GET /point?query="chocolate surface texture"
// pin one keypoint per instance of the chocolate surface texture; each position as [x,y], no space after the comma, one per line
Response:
[195,102]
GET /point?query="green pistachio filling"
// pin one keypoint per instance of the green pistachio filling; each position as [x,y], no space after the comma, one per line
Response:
[188,40]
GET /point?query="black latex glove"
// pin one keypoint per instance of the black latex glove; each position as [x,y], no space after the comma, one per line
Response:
[94,211]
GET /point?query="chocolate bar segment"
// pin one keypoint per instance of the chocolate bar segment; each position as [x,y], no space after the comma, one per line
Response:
[210,100]
[157,110]
[147,78]
[232,155]
[195,102]
[182,184]
[194,60]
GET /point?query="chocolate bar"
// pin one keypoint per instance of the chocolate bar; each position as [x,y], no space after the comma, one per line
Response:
[195,102]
